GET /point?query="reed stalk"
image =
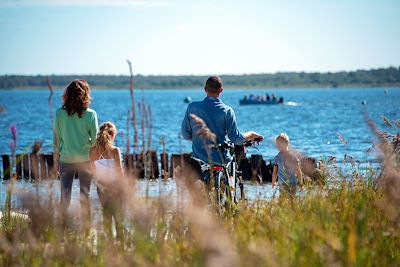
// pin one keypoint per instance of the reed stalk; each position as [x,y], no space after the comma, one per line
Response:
[50,101]
[134,120]
[10,188]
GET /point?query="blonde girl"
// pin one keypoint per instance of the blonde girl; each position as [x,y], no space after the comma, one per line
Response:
[108,176]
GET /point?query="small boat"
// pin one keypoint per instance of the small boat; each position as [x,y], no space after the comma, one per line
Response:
[188,100]
[249,101]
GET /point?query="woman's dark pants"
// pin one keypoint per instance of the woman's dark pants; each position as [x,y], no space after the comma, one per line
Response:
[67,173]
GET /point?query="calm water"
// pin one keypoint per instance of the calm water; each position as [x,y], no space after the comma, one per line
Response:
[313,118]
[167,188]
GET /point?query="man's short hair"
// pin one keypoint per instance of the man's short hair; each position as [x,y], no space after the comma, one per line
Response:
[213,84]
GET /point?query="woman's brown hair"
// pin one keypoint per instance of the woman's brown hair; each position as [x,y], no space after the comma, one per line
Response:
[76,97]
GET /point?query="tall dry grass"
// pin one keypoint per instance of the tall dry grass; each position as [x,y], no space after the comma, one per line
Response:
[349,225]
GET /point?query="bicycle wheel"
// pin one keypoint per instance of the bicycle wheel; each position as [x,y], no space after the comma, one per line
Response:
[236,184]
[223,192]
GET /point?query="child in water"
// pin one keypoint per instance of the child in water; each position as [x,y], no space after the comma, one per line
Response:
[108,170]
[287,172]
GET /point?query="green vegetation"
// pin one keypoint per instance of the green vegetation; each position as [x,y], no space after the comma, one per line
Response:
[350,225]
[366,78]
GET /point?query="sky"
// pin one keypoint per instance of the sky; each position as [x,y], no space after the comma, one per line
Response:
[197,37]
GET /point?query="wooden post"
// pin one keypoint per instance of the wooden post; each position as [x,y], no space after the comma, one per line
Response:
[245,168]
[25,163]
[164,165]
[18,166]
[43,169]
[128,162]
[176,161]
[256,161]
[308,166]
[51,172]
[266,171]
[6,166]
[34,164]
[139,170]
[152,162]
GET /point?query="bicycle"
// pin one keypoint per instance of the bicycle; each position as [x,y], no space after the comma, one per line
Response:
[227,179]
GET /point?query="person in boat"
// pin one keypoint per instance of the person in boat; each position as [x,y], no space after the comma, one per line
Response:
[273,97]
[281,100]
[107,163]
[220,119]
[75,129]
[267,97]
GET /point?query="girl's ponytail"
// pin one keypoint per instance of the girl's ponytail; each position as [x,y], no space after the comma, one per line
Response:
[105,136]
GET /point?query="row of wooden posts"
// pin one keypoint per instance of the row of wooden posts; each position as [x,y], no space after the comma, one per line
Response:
[35,167]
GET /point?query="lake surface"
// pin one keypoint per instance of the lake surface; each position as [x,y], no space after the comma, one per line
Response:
[312,118]
[143,188]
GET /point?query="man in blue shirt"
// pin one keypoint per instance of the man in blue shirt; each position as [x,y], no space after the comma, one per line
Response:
[219,118]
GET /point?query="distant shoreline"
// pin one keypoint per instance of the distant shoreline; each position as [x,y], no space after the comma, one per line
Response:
[373,78]
[100,88]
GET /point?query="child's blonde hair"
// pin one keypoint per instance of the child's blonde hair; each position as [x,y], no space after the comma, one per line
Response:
[105,136]
[283,137]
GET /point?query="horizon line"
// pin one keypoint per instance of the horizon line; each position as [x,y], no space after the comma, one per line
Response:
[201,74]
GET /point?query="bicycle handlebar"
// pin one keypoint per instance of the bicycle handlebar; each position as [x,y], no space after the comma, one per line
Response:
[228,145]
[252,143]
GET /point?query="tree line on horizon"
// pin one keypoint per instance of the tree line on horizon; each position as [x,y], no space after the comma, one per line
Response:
[369,78]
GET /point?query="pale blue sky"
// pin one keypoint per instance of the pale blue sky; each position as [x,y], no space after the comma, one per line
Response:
[197,37]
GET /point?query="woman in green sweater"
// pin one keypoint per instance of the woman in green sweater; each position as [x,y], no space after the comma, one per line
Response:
[75,130]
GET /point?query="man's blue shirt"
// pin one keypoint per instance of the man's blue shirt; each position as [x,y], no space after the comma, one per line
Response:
[220,119]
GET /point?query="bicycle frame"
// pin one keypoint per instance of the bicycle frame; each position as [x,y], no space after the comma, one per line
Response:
[227,182]
[226,177]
